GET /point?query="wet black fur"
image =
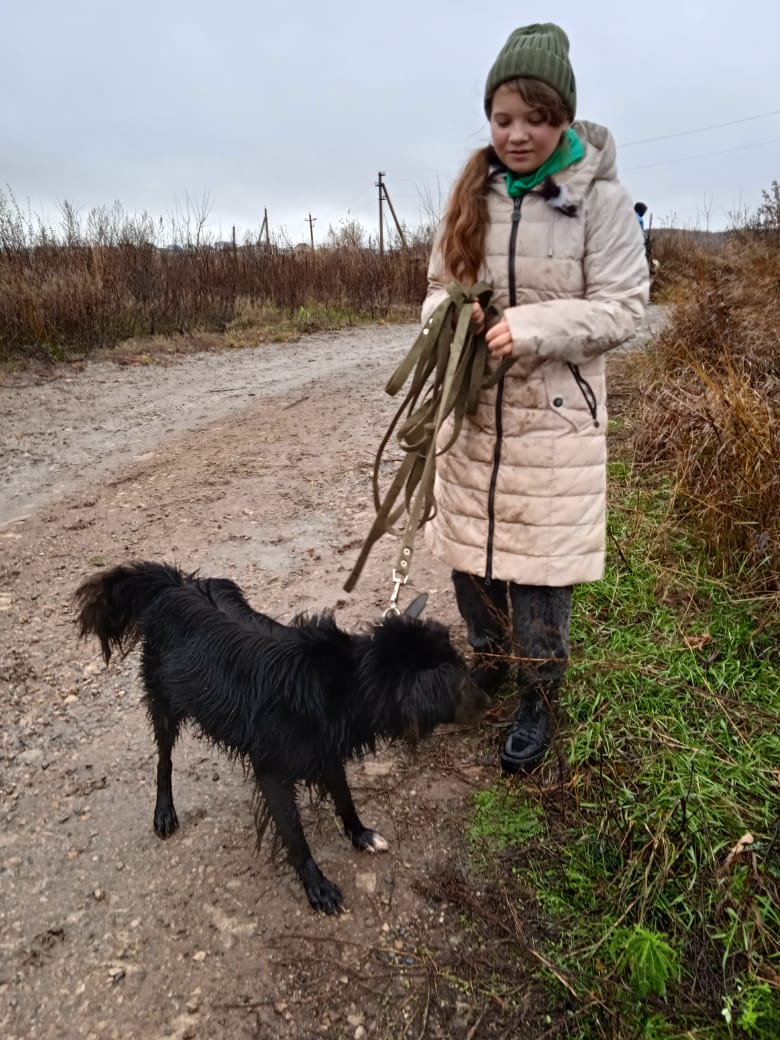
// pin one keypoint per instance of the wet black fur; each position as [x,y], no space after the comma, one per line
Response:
[294,702]
[553,194]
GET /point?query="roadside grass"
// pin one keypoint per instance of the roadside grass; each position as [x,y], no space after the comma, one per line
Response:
[248,324]
[631,887]
[673,748]
[252,326]
[266,323]
[709,413]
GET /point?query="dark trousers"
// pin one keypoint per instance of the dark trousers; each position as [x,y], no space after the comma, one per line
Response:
[536,636]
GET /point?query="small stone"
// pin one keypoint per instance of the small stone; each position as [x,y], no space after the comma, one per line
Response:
[200,956]
[366,882]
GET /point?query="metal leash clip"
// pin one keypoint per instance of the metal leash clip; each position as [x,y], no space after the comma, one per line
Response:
[398,581]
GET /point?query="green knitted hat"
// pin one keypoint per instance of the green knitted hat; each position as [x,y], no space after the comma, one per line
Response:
[537,52]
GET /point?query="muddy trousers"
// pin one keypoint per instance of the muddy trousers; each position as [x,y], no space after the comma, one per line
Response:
[536,637]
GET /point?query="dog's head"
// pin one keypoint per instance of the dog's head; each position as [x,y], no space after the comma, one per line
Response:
[420,679]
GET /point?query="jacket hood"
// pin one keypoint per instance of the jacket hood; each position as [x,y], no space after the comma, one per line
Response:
[599,162]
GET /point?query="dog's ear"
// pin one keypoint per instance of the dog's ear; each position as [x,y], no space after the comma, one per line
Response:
[417,606]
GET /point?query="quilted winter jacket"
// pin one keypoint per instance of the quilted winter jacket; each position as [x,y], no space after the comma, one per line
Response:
[521,495]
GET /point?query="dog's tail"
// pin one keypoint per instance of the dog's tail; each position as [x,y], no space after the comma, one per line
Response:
[111,603]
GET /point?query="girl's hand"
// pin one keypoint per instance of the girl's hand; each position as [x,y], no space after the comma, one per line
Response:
[499,339]
[477,316]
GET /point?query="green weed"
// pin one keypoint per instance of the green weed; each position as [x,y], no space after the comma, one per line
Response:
[646,957]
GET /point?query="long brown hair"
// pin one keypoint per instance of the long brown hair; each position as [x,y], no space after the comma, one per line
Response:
[466,218]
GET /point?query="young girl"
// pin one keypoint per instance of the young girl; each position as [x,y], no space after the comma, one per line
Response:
[520,495]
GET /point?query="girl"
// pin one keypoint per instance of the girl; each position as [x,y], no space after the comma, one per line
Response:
[520,495]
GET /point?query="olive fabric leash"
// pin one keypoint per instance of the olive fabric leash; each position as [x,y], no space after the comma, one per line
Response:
[448,368]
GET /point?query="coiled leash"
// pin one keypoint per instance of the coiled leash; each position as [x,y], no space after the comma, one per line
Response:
[447,365]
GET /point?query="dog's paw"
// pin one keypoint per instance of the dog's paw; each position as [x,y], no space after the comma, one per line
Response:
[325,897]
[370,841]
[165,821]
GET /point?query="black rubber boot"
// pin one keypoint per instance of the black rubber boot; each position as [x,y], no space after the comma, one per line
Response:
[485,610]
[529,737]
[541,618]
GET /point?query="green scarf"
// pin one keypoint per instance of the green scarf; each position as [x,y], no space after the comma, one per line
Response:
[569,151]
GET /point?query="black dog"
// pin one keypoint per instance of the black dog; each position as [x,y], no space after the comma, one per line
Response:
[293,701]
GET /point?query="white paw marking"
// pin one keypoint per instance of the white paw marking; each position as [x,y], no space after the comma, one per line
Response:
[378,844]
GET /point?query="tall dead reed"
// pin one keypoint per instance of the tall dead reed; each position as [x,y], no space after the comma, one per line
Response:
[711,414]
[71,290]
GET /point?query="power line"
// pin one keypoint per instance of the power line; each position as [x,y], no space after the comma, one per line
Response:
[702,155]
[425,175]
[701,129]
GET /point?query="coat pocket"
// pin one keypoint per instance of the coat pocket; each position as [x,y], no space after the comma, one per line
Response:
[576,397]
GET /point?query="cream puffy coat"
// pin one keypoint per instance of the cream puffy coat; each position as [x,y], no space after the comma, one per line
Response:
[521,495]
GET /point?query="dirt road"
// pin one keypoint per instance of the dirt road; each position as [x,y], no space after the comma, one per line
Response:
[254,465]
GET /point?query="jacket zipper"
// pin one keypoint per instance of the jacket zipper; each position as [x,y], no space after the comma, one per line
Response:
[499,402]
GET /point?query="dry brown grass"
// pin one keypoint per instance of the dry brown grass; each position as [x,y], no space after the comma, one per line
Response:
[711,416]
[683,256]
[110,279]
[58,300]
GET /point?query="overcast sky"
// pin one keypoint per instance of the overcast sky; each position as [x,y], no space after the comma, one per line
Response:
[295,107]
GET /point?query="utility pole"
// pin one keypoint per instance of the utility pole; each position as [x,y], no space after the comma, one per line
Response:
[311,221]
[385,197]
[381,187]
[264,227]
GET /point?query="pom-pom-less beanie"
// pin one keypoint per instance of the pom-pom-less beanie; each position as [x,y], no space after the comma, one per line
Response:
[535,52]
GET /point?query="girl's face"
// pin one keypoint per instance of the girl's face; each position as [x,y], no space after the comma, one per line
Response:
[522,138]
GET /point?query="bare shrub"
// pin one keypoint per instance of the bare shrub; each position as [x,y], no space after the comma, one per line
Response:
[712,411]
[764,223]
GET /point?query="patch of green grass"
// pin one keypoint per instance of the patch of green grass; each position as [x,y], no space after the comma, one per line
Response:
[502,817]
